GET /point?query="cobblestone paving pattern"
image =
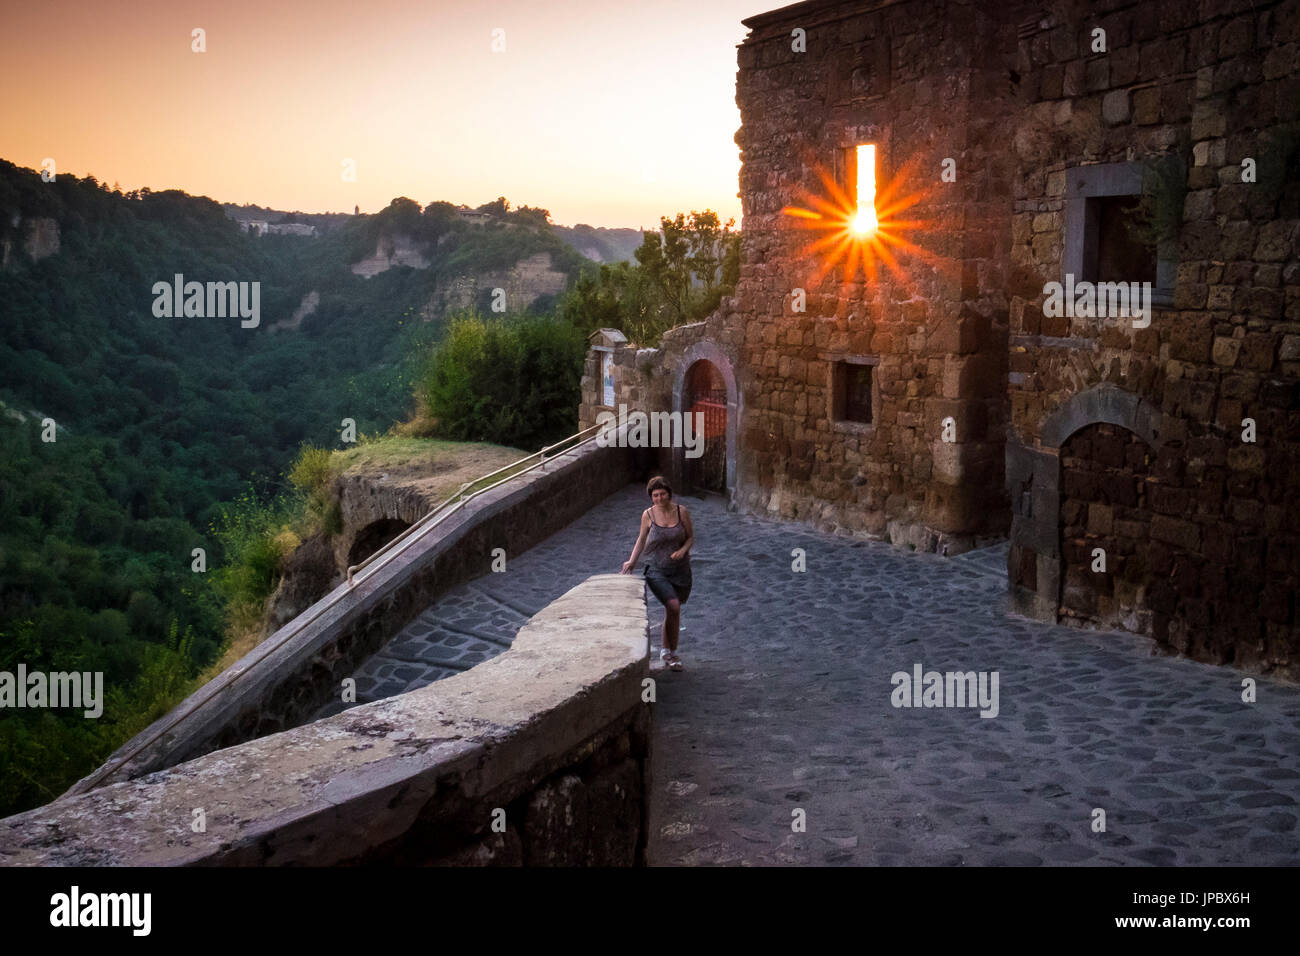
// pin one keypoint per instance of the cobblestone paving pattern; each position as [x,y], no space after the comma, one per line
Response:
[478,620]
[784,704]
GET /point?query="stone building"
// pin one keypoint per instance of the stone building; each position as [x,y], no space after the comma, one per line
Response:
[925,381]
[291,229]
[466,214]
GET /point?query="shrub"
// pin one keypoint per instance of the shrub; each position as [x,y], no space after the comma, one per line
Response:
[247,530]
[513,382]
[311,475]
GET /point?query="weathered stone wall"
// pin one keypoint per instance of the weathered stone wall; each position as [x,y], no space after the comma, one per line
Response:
[364,499]
[548,741]
[1201,87]
[626,378]
[930,311]
[288,677]
[643,377]
[650,380]
[911,78]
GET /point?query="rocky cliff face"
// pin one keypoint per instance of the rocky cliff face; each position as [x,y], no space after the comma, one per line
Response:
[40,239]
[527,281]
[524,283]
[395,250]
[310,302]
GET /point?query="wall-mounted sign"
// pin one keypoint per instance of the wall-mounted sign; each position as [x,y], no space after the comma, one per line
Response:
[607,378]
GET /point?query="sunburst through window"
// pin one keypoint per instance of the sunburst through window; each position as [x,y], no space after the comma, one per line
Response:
[860,217]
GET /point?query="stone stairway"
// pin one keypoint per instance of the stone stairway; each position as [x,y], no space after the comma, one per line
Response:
[467,626]
[478,620]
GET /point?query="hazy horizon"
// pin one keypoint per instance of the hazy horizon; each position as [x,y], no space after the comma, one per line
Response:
[609,117]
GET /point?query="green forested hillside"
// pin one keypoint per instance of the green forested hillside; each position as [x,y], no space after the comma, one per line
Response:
[161,420]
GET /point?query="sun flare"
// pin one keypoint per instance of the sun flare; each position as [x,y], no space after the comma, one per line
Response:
[864,223]
[860,222]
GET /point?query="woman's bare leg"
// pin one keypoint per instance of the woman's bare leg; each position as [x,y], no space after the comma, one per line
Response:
[672,620]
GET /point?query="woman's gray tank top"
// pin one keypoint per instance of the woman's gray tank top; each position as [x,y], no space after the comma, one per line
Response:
[664,541]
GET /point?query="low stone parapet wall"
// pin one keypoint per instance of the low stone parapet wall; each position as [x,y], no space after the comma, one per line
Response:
[287,678]
[539,756]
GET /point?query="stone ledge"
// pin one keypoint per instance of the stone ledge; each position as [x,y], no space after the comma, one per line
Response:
[361,786]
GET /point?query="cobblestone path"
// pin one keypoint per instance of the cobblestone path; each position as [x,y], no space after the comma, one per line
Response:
[785,705]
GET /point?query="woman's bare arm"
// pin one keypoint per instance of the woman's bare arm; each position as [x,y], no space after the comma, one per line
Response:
[685,549]
[630,563]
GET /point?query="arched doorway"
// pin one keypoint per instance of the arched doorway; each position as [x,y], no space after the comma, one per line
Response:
[1034,480]
[1105,529]
[706,396]
[705,380]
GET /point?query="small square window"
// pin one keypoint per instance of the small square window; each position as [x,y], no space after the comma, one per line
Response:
[852,392]
[1111,233]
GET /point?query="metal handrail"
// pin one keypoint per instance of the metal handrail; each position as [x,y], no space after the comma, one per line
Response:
[456,501]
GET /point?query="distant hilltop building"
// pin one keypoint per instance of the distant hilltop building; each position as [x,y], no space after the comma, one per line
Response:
[473,217]
[260,227]
[291,229]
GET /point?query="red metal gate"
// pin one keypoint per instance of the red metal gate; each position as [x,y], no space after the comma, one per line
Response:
[706,392]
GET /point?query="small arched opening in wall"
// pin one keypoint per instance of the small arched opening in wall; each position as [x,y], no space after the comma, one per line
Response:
[1109,570]
[373,537]
[705,385]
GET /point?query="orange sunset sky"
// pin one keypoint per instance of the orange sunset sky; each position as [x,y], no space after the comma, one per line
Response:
[608,113]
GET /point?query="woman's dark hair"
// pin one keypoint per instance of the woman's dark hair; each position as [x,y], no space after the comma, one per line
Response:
[655,484]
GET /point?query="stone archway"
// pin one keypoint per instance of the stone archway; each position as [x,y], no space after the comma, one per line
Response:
[1102,403]
[373,537]
[689,390]
[1034,480]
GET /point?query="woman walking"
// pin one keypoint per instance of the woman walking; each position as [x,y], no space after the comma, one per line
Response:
[666,537]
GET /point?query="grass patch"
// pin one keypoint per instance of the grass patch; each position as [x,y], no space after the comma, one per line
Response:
[397,452]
